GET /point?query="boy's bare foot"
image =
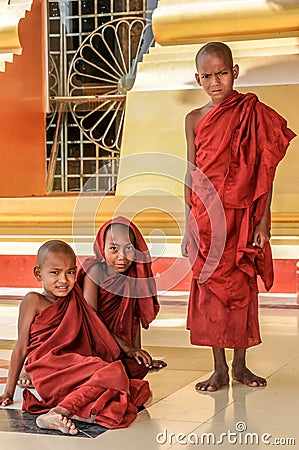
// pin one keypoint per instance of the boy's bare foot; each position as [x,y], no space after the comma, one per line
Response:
[214,383]
[158,364]
[54,420]
[24,380]
[245,376]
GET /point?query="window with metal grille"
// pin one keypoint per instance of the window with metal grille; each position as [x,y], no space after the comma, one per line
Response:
[94,46]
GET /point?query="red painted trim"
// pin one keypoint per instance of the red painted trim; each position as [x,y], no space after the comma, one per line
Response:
[171,273]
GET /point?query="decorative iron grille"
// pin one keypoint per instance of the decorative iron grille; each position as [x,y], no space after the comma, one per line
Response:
[94,46]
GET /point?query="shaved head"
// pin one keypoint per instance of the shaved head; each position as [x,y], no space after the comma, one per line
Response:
[54,246]
[215,48]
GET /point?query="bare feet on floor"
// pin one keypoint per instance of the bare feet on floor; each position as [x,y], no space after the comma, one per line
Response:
[24,380]
[158,364]
[54,420]
[214,383]
[245,376]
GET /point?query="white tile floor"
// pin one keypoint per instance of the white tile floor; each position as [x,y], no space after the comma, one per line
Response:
[179,417]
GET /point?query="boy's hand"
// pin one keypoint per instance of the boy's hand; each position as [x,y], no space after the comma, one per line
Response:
[184,245]
[6,399]
[141,356]
[261,235]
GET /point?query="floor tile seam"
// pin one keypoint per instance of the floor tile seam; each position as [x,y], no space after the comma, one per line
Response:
[176,443]
[185,370]
[182,369]
[283,366]
[178,390]
[161,399]
[205,422]
[179,421]
[275,371]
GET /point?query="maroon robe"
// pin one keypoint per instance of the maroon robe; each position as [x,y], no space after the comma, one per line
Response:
[239,144]
[125,300]
[73,362]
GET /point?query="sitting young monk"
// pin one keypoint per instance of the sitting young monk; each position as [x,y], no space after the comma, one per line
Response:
[72,358]
[118,283]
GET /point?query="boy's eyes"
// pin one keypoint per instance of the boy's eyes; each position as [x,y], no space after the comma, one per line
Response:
[56,272]
[208,75]
[114,248]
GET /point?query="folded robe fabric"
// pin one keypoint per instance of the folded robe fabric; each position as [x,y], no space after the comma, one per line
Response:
[72,361]
[239,144]
[126,299]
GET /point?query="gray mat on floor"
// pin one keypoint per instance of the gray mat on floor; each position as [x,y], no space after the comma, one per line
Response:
[16,421]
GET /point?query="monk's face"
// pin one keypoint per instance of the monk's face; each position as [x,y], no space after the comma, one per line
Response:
[119,248]
[57,272]
[216,75]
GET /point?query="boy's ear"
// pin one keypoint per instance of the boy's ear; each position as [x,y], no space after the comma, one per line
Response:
[197,77]
[36,271]
[235,71]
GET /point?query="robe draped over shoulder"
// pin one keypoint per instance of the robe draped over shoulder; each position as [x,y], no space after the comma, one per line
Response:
[238,144]
[126,299]
[73,362]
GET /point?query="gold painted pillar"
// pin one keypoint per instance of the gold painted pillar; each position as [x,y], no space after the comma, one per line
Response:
[176,22]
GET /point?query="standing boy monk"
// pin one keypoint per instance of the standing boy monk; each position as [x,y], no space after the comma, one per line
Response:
[234,144]
[72,358]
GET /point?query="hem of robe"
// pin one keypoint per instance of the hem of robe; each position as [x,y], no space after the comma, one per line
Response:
[125,407]
[213,324]
[109,396]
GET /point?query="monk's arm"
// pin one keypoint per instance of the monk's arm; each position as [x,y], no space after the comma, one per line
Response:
[140,355]
[261,233]
[91,288]
[28,310]
[189,132]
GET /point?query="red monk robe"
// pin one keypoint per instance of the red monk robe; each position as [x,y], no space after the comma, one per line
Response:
[125,300]
[72,361]
[239,144]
